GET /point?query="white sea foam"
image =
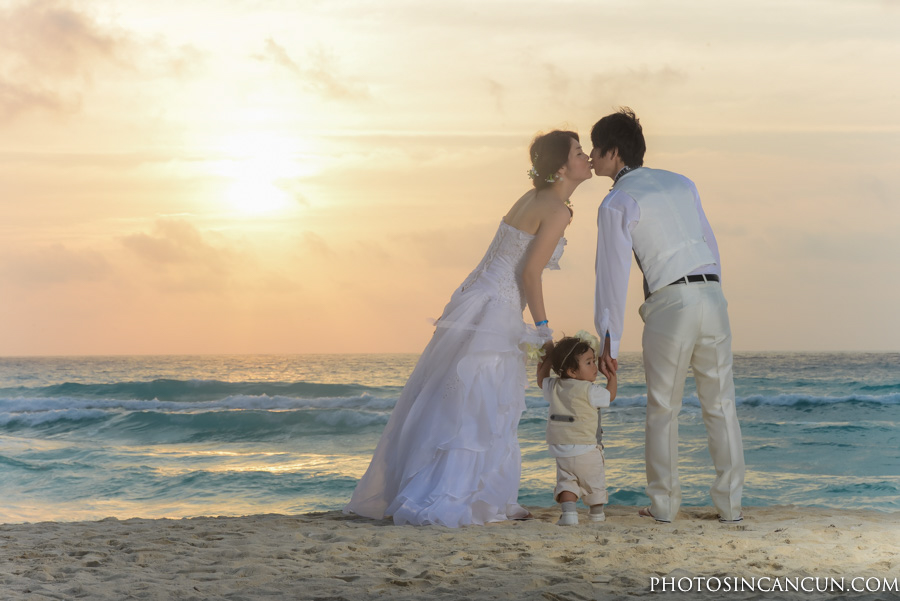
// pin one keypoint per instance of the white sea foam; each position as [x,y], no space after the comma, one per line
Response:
[348,411]
[24,406]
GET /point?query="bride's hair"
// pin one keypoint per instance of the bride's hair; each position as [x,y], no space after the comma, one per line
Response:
[549,152]
[564,355]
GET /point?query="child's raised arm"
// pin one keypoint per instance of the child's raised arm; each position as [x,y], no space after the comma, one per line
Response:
[543,368]
[612,385]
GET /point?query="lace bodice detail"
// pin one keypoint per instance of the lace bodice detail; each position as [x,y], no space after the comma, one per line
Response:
[502,265]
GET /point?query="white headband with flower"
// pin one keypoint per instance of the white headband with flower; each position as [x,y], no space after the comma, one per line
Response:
[535,352]
[592,340]
[586,337]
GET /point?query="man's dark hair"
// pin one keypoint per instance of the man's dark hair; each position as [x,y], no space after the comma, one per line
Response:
[621,130]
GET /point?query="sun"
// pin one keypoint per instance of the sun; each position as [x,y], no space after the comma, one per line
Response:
[260,168]
[254,189]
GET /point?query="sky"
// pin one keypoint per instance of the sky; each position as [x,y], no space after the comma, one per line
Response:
[233,176]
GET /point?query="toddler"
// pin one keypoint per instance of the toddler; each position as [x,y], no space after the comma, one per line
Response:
[574,434]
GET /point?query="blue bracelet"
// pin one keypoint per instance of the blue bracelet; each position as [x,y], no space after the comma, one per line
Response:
[542,323]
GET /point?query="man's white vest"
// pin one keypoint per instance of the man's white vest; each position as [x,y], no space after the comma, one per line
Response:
[668,240]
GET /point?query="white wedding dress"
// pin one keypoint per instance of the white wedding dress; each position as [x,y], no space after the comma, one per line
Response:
[449,454]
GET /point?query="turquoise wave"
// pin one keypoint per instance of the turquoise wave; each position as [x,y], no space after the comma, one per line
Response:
[154,427]
[156,436]
[189,390]
[243,417]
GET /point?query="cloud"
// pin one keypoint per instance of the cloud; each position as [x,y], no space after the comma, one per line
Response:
[55,264]
[555,79]
[373,251]
[878,191]
[319,73]
[313,244]
[636,82]
[564,91]
[176,257]
[808,252]
[498,93]
[178,243]
[47,49]
[292,187]
[52,38]
[18,98]
[457,248]
[279,56]
[181,61]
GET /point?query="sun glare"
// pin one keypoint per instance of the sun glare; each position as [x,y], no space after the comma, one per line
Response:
[261,168]
[255,190]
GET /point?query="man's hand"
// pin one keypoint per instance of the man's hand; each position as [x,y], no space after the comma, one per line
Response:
[608,365]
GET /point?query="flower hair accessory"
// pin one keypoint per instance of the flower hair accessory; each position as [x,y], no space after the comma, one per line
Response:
[587,338]
[533,174]
[590,339]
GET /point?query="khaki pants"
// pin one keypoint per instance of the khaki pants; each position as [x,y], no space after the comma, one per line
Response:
[584,476]
[687,325]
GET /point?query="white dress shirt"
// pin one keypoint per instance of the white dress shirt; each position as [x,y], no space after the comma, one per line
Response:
[617,216]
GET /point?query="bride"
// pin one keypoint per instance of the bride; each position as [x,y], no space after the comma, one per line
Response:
[449,454]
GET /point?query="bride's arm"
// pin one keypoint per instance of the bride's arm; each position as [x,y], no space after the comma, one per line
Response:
[552,227]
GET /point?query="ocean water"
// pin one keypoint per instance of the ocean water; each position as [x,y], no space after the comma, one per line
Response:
[160,436]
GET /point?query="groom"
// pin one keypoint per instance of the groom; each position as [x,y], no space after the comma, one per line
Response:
[657,215]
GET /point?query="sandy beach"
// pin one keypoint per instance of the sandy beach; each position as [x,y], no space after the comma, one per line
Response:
[329,556]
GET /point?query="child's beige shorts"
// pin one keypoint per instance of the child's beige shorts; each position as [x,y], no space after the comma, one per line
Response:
[583,475]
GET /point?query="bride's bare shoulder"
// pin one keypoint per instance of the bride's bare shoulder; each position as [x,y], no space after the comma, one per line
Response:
[533,209]
[520,207]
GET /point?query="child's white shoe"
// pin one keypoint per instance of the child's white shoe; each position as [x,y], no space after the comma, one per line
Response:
[598,517]
[568,518]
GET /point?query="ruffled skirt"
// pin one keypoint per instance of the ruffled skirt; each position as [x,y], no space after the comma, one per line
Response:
[449,454]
